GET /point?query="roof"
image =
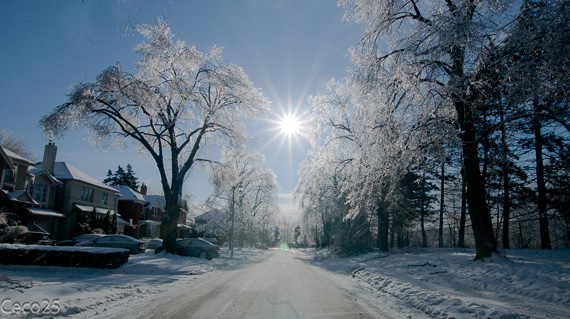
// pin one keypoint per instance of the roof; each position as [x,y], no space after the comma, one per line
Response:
[130,194]
[153,200]
[44,212]
[16,157]
[41,171]
[183,203]
[148,221]
[64,171]
[207,216]
[6,159]
[99,210]
[21,196]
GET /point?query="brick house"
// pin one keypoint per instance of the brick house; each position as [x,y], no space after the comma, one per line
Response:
[144,213]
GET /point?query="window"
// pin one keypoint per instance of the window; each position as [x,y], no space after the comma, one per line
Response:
[8,176]
[104,198]
[154,212]
[87,194]
[40,192]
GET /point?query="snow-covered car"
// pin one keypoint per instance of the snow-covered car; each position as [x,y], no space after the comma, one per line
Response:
[78,239]
[195,247]
[117,241]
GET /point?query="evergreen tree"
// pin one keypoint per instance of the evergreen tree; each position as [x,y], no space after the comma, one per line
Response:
[129,178]
[417,191]
[122,178]
[114,223]
[107,223]
[111,178]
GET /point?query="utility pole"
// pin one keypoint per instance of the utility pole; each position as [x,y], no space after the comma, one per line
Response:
[232,211]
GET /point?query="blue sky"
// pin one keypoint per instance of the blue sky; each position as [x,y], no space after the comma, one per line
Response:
[290,49]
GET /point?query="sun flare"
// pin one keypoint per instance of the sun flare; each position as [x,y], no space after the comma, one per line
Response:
[290,125]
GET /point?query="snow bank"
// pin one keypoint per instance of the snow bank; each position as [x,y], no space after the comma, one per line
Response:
[93,250]
[446,283]
[90,292]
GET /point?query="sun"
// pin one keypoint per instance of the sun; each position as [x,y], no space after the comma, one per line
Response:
[290,125]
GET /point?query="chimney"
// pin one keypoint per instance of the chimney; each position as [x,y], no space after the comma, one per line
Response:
[143,189]
[50,153]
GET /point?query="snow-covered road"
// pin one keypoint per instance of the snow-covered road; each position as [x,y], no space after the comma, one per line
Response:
[412,283]
[281,285]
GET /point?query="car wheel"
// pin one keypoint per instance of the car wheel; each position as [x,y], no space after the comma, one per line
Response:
[203,255]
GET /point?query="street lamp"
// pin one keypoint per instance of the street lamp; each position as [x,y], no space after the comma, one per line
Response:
[233,210]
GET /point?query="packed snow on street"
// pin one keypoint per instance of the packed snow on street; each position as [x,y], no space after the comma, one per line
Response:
[437,283]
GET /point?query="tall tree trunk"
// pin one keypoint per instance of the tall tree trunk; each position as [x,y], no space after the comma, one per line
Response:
[540,183]
[567,221]
[169,224]
[481,220]
[463,216]
[383,226]
[486,148]
[441,204]
[392,235]
[506,186]
[422,210]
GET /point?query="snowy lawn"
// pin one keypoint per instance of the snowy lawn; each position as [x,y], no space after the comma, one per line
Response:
[447,283]
[84,292]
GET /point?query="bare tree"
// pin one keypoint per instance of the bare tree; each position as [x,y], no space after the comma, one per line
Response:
[177,101]
[14,144]
[249,190]
[430,50]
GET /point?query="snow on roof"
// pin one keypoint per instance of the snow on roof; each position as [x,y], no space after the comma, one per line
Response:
[128,193]
[207,216]
[21,196]
[99,210]
[63,170]
[183,203]
[44,212]
[153,200]
[148,221]
[20,158]
[6,158]
[38,171]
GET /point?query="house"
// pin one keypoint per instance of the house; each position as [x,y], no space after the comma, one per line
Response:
[50,196]
[60,191]
[81,194]
[152,216]
[183,228]
[144,212]
[19,177]
[16,178]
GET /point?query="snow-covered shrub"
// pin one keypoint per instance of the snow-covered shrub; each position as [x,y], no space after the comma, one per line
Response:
[63,256]
[9,229]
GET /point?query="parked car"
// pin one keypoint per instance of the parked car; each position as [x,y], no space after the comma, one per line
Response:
[153,243]
[195,247]
[116,241]
[78,239]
